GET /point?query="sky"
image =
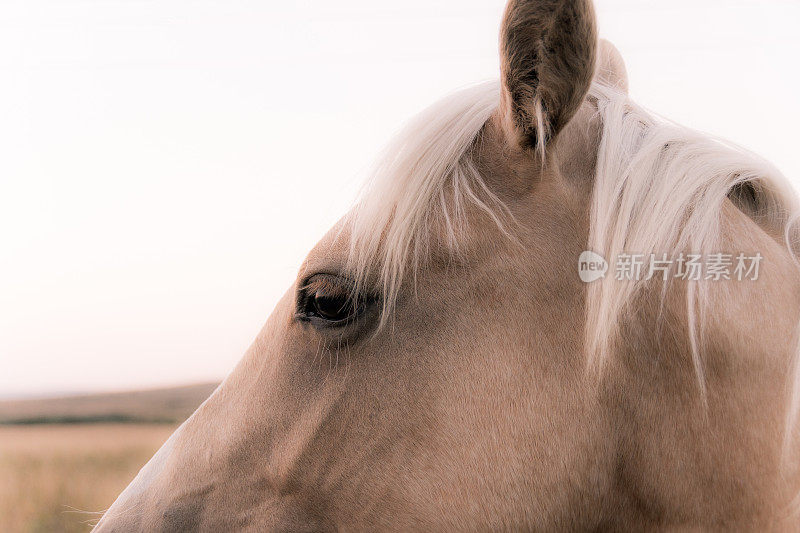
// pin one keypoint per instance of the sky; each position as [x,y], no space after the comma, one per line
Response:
[166,165]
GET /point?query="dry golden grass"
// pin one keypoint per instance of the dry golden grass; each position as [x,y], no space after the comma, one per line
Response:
[49,473]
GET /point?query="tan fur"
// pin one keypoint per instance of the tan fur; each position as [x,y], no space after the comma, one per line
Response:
[472,409]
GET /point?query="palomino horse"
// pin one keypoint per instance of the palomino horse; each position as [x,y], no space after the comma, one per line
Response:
[440,364]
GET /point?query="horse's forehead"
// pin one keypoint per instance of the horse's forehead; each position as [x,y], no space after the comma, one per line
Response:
[507,171]
[330,253]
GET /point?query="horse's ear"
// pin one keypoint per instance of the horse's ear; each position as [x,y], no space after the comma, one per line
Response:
[611,69]
[548,51]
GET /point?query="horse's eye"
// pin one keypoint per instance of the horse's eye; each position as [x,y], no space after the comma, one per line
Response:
[331,307]
[326,300]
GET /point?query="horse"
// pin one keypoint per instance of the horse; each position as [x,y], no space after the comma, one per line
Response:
[440,364]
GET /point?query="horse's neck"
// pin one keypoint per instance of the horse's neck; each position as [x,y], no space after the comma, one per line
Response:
[718,454]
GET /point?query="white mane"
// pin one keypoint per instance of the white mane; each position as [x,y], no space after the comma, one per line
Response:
[659,188]
[425,179]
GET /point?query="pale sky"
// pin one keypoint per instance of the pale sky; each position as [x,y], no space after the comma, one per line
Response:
[165,166]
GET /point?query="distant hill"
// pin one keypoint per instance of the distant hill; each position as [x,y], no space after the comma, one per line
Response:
[168,406]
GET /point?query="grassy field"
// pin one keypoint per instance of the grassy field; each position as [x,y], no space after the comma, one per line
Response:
[52,476]
[58,477]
